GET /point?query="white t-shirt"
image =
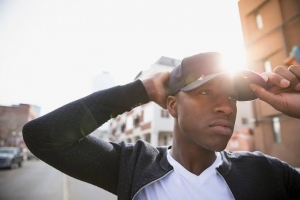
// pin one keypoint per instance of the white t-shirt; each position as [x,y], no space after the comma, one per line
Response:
[182,184]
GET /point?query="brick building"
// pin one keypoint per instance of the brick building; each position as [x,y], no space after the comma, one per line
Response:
[12,120]
[241,140]
[271,30]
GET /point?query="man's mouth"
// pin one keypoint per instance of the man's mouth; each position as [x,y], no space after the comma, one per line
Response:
[222,126]
[222,123]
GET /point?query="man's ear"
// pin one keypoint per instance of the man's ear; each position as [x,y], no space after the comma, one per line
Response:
[172,105]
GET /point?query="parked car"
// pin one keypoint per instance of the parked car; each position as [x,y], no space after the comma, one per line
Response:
[10,157]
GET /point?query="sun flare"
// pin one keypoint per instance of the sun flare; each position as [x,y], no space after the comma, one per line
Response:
[233,61]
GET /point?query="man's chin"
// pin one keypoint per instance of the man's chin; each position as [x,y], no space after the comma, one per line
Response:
[219,147]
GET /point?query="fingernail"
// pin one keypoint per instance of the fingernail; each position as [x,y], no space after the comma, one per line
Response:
[265,78]
[284,83]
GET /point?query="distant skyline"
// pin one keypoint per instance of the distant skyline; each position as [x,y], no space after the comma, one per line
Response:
[50,51]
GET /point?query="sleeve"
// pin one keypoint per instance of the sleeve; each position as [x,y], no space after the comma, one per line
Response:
[289,176]
[61,138]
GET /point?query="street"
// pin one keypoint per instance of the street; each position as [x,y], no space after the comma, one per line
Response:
[36,180]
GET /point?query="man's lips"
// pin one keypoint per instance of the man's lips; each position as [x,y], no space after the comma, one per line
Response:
[222,126]
[222,122]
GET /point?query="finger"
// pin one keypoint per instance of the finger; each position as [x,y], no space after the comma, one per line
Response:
[264,95]
[275,79]
[289,75]
[296,71]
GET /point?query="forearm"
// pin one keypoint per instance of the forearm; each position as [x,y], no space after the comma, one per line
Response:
[70,123]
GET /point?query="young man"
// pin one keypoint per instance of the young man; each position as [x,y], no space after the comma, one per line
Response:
[202,99]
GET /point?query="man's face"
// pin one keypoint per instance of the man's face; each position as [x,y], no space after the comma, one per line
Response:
[206,115]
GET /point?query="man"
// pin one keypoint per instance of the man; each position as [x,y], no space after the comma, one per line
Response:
[202,99]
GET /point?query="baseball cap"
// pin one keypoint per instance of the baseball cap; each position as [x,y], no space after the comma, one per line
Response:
[198,69]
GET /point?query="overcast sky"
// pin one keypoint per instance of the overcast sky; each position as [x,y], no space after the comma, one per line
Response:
[50,50]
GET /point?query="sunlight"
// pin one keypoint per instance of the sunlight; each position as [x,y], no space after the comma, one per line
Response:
[84,43]
[233,61]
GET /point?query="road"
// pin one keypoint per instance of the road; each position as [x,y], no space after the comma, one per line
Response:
[36,180]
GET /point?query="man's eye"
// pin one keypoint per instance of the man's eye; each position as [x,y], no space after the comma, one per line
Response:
[205,92]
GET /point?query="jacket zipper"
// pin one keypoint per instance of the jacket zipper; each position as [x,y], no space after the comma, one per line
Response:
[151,183]
[225,182]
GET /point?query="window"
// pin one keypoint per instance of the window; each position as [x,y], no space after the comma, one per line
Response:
[276,129]
[234,144]
[136,121]
[268,66]
[244,120]
[123,127]
[259,21]
[164,113]
[165,140]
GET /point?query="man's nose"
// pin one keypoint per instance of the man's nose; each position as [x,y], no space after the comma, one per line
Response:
[224,105]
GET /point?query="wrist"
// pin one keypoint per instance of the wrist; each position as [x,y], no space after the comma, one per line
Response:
[150,88]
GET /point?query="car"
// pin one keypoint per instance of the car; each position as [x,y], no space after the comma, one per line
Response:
[10,157]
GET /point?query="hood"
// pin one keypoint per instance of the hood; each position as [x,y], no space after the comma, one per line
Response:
[6,155]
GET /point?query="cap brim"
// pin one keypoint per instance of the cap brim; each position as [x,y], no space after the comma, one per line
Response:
[240,79]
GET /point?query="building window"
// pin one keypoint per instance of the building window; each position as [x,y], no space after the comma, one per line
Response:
[244,120]
[259,21]
[276,129]
[268,66]
[165,140]
[234,144]
[123,127]
[164,113]
[136,121]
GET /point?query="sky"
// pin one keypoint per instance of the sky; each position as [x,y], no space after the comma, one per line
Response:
[51,50]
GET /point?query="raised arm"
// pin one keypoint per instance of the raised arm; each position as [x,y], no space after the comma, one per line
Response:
[61,138]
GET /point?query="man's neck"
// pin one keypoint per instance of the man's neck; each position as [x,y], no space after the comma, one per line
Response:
[195,160]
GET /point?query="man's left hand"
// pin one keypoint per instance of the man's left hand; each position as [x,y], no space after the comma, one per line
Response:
[284,90]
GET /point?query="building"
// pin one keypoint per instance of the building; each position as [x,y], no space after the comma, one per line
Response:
[271,30]
[148,122]
[12,120]
[242,140]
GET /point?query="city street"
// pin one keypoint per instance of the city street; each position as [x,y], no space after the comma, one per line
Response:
[36,180]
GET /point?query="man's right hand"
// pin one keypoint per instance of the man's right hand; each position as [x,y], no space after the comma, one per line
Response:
[157,87]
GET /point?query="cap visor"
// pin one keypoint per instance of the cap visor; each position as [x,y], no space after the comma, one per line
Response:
[240,79]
